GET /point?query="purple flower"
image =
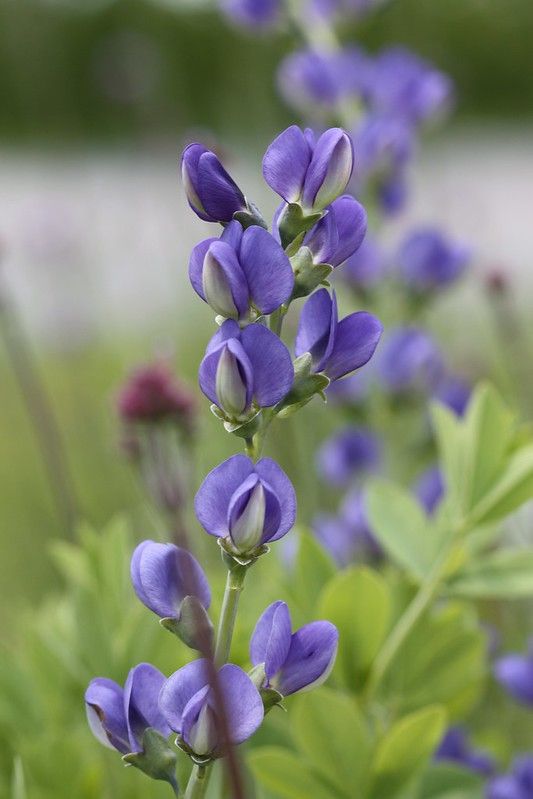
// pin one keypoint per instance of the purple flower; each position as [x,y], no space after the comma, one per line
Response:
[312,173]
[455,747]
[164,574]
[429,489]
[454,392]
[212,194]
[336,347]
[348,536]
[119,717]
[350,452]
[515,673]
[340,232]
[188,703]
[366,267]
[517,784]
[253,13]
[409,361]
[293,661]
[329,9]
[241,367]
[427,260]
[239,269]
[249,504]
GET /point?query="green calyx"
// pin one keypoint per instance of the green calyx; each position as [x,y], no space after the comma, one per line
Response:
[307,274]
[306,384]
[193,626]
[157,760]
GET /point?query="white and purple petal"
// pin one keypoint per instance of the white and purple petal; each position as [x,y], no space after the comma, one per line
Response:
[286,162]
[104,702]
[179,689]
[271,638]
[311,658]
[274,476]
[218,192]
[243,703]
[330,169]
[267,268]
[214,495]
[141,693]
[273,372]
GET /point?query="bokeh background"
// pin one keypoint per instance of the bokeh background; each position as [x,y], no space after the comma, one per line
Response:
[96,99]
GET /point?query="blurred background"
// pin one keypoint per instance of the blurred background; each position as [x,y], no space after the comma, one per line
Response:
[96,99]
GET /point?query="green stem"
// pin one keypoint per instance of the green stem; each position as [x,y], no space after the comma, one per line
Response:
[228,614]
[198,782]
[276,318]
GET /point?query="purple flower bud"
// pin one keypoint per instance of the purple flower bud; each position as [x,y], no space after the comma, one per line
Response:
[249,504]
[212,194]
[339,234]
[349,453]
[309,173]
[429,489]
[188,703]
[164,574]
[366,267]
[517,784]
[428,261]
[409,361]
[455,747]
[240,269]
[241,366]
[153,393]
[454,392]
[253,13]
[515,673]
[293,661]
[119,717]
[337,348]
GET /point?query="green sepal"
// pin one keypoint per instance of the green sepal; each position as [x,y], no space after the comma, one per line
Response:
[252,216]
[193,626]
[271,698]
[307,274]
[246,428]
[294,221]
[234,559]
[199,760]
[305,385]
[258,675]
[157,759]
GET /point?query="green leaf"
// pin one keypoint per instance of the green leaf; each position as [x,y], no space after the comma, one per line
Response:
[513,489]
[313,569]
[448,434]
[331,732]
[446,781]
[506,574]
[18,785]
[357,601]
[405,750]
[402,528]
[286,774]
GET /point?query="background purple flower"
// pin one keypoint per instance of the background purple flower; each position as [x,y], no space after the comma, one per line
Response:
[153,393]
[251,504]
[429,489]
[514,672]
[212,194]
[409,361]
[188,704]
[517,784]
[164,574]
[366,267]
[454,392]
[348,453]
[119,717]
[348,535]
[337,348]
[292,661]
[253,13]
[427,260]
[455,747]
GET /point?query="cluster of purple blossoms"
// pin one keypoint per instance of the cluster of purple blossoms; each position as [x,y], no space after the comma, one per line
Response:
[517,784]
[456,748]
[249,277]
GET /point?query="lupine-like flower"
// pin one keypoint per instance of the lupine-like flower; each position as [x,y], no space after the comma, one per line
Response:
[428,261]
[248,504]
[454,392]
[241,367]
[350,452]
[152,393]
[253,13]
[240,269]
[119,717]
[515,673]
[517,784]
[409,361]
[309,172]
[348,536]
[366,267]
[164,574]
[336,347]
[456,747]
[212,194]
[292,661]
[330,9]
[339,234]
[187,702]
[429,489]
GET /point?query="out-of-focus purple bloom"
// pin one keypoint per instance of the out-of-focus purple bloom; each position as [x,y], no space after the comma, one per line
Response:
[164,574]
[515,673]
[427,260]
[212,194]
[456,747]
[293,661]
[118,717]
[366,266]
[249,504]
[429,489]
[253,13]
[331,9]
[336,347]
[348,536]
[152,393]
[303,170]
[339,234]
[241,268]
[409,361]
[407,86]
[350,452]
[241,367]
[188,703]
[454,392]
[517,784]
